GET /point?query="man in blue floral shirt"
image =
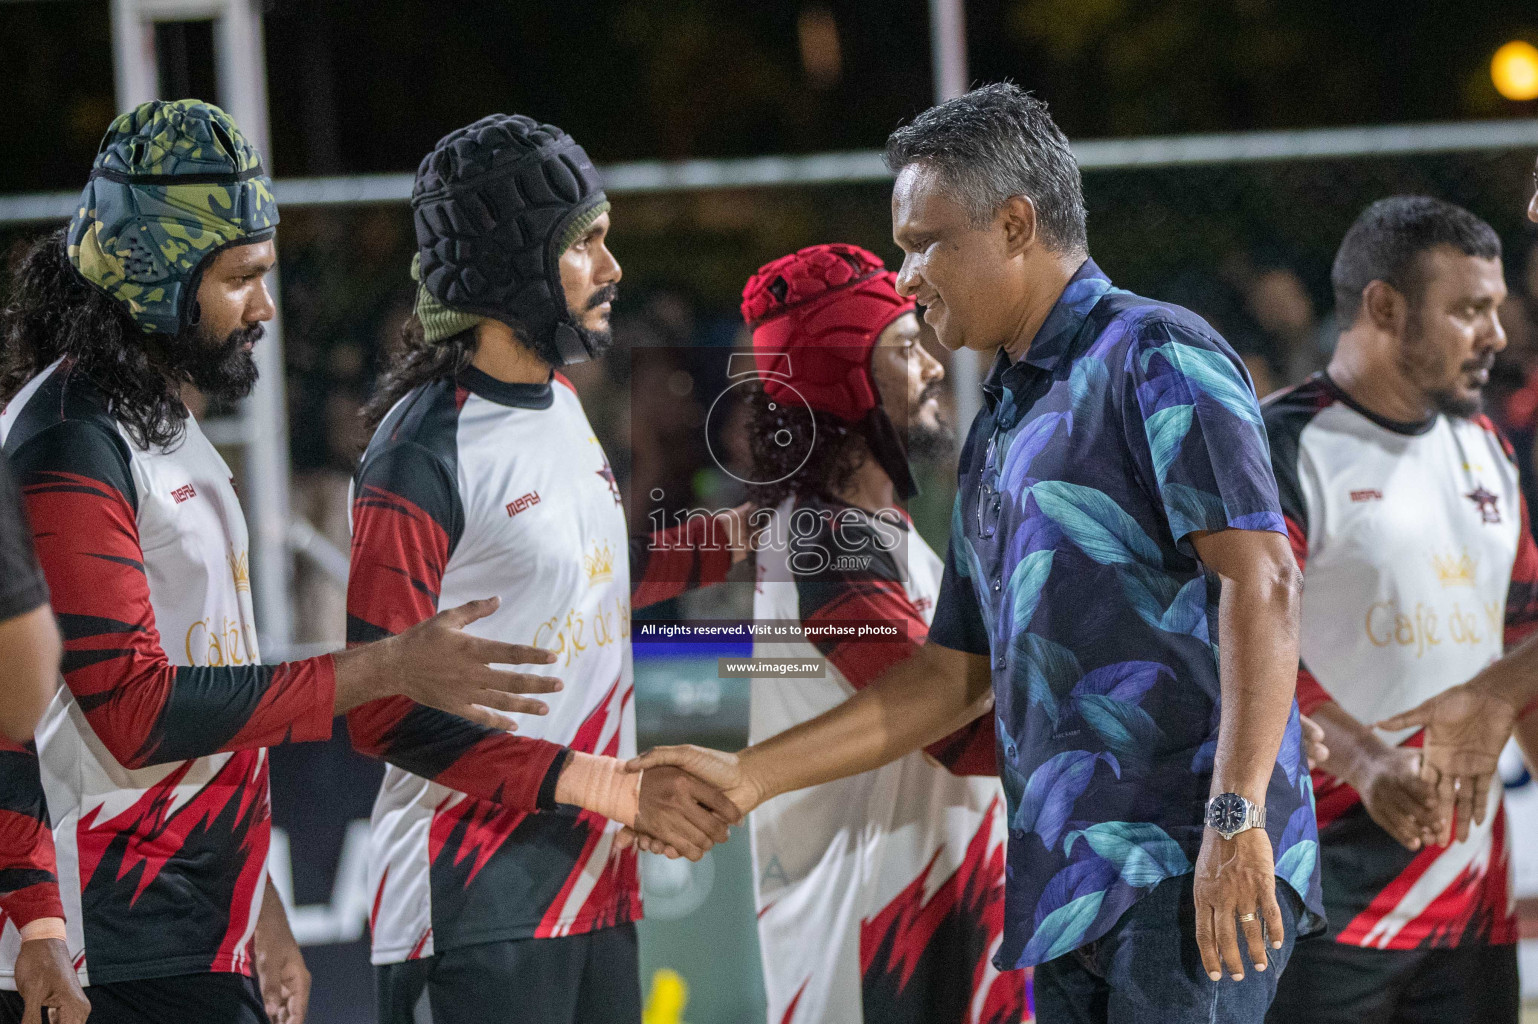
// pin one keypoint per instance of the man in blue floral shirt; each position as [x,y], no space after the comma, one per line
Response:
[1118,582]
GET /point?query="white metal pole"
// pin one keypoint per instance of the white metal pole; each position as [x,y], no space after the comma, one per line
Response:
[242,78]
[135,70]
[948,53]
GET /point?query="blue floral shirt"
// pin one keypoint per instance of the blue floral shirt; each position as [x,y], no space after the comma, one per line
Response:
[1128,425]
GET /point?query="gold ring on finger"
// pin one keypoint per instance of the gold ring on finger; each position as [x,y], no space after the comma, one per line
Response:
[1245,918]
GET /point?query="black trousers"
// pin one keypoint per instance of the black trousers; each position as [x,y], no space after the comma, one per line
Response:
[576,979]
[184,999]
[1331,983]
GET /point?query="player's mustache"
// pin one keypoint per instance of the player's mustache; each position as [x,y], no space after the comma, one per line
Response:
[241,336]
[608,293]
[1484,362]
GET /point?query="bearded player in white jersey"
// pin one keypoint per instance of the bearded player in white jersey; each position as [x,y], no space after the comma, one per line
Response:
[1404,508]
[499,890]
[151,889]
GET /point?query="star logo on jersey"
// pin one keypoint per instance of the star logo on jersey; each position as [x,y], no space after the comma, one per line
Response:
[1487,503]
[608,475]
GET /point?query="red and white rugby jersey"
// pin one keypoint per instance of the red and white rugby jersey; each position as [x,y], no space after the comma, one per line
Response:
[152,759]
[880,896]
[1419,571]
[469,489]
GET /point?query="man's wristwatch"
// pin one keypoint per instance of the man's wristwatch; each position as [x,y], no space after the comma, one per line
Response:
[1229,814]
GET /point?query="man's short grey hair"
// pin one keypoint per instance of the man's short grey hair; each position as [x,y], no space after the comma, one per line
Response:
[992,144]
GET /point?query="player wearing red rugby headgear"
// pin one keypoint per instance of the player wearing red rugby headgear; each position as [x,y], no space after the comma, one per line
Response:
[881,896]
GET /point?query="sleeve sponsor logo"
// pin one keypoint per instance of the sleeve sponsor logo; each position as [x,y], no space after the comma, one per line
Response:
[1367,494]
[182,493]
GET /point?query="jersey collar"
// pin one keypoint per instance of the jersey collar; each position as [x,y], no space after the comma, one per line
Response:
[518,396]
[1396,426]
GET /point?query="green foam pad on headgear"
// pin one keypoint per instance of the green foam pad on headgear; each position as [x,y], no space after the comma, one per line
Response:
[173,183]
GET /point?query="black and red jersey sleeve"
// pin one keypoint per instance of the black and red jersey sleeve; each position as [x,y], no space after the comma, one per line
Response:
[21,582]
[668,562]
[1522,594]
[29,886]
[1286,414]
[406,521]
[855,580]
[78,487]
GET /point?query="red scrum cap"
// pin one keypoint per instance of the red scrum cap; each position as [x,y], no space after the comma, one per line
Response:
[824,307]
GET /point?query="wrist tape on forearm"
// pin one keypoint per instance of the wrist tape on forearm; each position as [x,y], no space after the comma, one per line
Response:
[597,784]
[43,928]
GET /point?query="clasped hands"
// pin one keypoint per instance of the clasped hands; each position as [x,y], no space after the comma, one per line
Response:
[1446,784]
[689,796]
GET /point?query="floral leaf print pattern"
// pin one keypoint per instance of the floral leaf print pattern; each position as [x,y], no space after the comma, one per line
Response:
[1166,429]
[1142,853]
[1025,586]
[1050,671]
[1298,864]
[1192,509]
[1126,728]
[1052,790]
[1087,381]
[1068,906]
[1124,681]
[1097,525]
[1022,448]
[1211,373]
[1290,756]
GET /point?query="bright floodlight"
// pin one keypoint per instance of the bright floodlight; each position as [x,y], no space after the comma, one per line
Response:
[1514,70]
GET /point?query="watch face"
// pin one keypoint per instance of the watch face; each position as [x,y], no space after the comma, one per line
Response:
[1227,812]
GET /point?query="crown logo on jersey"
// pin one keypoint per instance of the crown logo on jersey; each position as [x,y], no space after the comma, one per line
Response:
[240,568]
[599,565]
[1455,572]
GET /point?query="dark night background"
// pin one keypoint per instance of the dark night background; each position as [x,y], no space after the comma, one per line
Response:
[369,85]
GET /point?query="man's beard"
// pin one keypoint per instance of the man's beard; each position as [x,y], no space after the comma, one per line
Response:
[596,342]
[935,440]
[1420,363]
[223,371]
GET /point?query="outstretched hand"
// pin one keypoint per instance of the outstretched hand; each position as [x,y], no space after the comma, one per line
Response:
[438,664]
[1466,728]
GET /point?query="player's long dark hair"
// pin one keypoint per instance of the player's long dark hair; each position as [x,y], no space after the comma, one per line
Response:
[51,311]
[413,361]
[837,449]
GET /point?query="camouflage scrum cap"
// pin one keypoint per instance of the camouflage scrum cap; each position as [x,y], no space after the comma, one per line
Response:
[173,183]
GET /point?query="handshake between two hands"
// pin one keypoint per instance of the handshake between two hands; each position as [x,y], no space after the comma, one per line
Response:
[688,797]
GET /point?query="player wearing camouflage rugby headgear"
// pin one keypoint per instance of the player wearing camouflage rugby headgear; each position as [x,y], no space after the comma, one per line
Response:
[151,762]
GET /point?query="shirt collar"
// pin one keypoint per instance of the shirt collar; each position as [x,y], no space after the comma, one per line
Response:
[516,395]
[1054,339]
